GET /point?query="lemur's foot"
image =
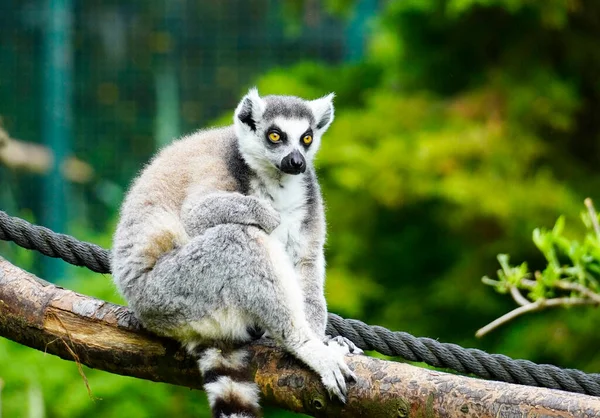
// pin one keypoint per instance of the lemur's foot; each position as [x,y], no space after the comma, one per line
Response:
[329,363]
[343,343]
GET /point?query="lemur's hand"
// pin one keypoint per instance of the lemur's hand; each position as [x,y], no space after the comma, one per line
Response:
[266,217]
[343,344]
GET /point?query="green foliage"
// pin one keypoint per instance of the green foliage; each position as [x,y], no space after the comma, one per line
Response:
[573,265]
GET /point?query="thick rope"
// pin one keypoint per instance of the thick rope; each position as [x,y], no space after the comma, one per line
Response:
[463,360]
[367,337]
[52,244]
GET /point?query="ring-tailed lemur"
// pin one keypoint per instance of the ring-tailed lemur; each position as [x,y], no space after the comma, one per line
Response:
[222,234]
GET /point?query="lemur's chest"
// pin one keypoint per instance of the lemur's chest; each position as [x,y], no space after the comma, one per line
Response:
[290,202]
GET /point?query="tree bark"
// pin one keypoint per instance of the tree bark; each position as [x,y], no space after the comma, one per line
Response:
[105,336]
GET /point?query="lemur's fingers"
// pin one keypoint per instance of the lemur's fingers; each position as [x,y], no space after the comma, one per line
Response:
[351,346]
[347,346]
[330,381]
[348,373]
[336,393]
[352,377]
[342,374]
[341,384]
[329,363]
[336,385]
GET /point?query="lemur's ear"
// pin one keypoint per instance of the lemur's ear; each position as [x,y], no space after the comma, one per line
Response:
[323,110]
[249,110]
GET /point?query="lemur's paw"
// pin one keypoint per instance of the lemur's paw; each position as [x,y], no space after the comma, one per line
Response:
[271,221]
[267,217]
[343,344]
[329,363]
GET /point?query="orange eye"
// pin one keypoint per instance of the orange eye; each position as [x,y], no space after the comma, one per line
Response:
[307,139]
[274,137]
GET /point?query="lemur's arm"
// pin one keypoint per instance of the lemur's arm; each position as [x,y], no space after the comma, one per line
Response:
[203,211]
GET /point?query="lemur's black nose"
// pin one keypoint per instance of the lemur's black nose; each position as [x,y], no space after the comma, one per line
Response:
[293,163]
[297,161]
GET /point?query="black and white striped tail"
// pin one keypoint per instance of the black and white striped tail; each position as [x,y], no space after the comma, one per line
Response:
[228,383]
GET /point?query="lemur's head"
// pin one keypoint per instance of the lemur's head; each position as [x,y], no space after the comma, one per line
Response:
[281,133]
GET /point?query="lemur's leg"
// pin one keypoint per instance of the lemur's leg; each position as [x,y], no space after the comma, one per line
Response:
[216,208]
[209,210]
[233,277]
[202,211]
[205,210]
[312,276]
[281,310]
[228,279]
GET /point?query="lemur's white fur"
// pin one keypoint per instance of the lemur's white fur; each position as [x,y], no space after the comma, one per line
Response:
[222,234]
[226,388]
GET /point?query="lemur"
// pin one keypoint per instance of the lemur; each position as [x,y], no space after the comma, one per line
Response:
[222,234]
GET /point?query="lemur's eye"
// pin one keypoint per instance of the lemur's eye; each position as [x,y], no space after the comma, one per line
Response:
[307,139]
[274,137]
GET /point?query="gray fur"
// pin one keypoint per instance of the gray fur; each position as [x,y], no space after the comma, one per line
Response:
[213,241]
[227,208]
[289,107]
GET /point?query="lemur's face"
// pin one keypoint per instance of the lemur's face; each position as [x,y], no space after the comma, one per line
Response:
[281,133]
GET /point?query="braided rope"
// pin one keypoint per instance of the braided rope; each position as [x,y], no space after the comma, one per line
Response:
[52,244]
[367,337]
[464,360]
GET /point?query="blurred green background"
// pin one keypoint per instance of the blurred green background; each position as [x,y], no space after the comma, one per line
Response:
[461,125]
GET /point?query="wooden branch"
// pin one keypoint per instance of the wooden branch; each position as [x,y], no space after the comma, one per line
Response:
[38,159]
[518,297]
[108,337]
[538,305]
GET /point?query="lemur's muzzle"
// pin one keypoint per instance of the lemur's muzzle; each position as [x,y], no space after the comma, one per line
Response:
[293,163]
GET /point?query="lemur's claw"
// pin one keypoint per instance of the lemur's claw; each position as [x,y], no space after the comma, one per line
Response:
[352,378]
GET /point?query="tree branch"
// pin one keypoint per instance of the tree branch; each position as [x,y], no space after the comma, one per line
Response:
[518,297]
[538,305]
[108,337]
[566,285]
[35,158]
